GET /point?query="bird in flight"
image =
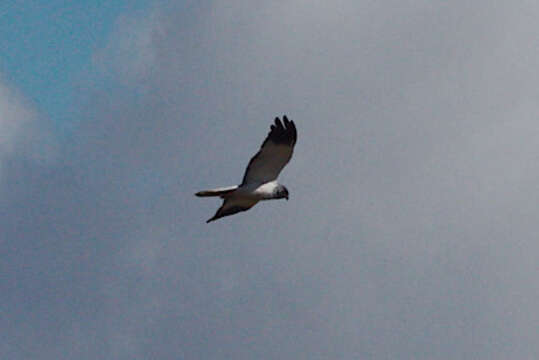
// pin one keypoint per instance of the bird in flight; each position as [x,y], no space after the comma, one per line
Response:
[260,178]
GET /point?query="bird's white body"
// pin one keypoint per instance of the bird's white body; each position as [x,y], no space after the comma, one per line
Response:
[256,191]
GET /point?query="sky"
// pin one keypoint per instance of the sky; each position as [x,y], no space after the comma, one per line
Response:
[411,230]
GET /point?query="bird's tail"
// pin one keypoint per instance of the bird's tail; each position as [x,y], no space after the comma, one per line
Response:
[217,192]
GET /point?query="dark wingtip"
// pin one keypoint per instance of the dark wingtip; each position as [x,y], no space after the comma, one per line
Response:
[279,124]
[283,132]
[290,125]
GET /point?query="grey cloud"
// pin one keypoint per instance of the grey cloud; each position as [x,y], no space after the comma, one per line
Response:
[412,227]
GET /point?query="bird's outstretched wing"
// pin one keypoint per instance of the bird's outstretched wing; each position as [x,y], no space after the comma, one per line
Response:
[274,153]
[232,206]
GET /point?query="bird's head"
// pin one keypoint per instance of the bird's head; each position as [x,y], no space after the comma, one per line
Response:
[281,192]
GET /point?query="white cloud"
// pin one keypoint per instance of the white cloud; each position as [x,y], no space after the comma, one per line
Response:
[130,52]
[21,133]
[14,117]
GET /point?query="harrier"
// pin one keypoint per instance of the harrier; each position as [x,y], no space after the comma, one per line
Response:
[260,178]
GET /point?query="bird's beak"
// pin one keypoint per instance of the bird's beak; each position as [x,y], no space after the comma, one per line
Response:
[286,197]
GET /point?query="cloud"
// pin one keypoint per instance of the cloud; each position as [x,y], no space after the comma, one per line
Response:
[411,227]
[22,135]
[129,53]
